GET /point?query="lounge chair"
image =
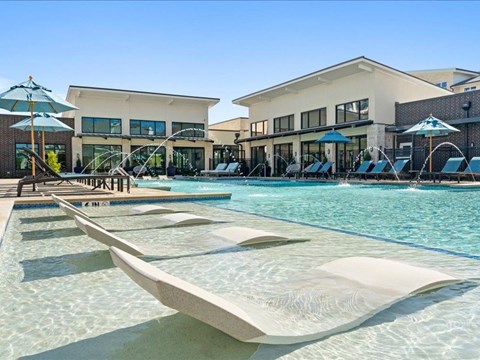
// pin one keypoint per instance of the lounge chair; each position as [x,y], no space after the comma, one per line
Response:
[325,169]
[312,169]
[450,169]
[472,170]
[147,209]
[292,170]
[230,170]
[215,241]
[378,169]
[397,168]
[47,174]
[340,295]
[362,169]
[169,220]
[220,167]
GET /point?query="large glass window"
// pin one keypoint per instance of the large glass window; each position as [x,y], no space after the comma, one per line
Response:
[259,128]
[283,156]
[140,155]
[189,129]
[188,161]
[347,154]
[259,156]
[101,158]
[147,127]
[59,150]
[224,154]
[101,125]
[312,152]
[22,161]
[284,123]
[352,111]
[314,118]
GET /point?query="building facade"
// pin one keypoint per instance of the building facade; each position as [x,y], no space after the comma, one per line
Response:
[452,79]
[356,97]
[128,128]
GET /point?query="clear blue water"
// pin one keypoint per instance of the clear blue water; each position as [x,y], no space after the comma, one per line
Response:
[439,217]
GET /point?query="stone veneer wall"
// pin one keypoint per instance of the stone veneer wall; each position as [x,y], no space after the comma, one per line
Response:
[9,137]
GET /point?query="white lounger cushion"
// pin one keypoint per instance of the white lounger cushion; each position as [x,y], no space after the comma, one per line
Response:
[73,211]
[217,240]
[150,209]
[356,288]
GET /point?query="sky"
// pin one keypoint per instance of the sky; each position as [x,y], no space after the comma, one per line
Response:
[224,49]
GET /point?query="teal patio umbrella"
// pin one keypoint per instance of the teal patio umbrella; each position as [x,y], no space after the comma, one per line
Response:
[31,97]
[42,122]
[431,126]
[333,137]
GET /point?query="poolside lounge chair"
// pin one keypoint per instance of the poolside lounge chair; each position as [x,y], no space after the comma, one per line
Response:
[325,169]
[450,169]
[292,170]
[169,220]
[397,168]
[216,240]
[362,169]
[230,170]
[472,170]
[312,169]
[47,174]
[378,169]
[220,167]
[342,294]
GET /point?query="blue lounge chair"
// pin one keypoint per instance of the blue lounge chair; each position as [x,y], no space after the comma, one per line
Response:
[398,168]
[221,166]
[362,169]
[378,169]
[325,170]
[472,170]
[451,168]
[292,170]
[312,169]
[231,169]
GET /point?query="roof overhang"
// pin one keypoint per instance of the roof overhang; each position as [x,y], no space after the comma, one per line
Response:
[127,95]
[325,76]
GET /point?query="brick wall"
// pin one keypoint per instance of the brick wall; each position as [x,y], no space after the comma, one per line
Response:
[9,137]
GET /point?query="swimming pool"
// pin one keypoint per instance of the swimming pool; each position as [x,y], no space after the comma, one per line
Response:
[443,218]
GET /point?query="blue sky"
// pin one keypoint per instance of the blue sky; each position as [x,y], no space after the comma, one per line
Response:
[224,49]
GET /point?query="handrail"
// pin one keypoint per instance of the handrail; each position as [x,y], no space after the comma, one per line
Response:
[255,168]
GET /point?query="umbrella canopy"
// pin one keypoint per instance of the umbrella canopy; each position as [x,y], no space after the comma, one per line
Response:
[431,126]
[334,137]
[29,96]
[42,122]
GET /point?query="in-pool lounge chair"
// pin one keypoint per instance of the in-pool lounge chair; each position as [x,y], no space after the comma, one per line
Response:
[378,169]
[339,295]
[220,167]
[169,220]
[312,169]
[47,174]
[216,240]
[231,169]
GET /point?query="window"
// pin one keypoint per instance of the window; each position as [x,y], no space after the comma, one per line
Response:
[284,123]
[259,156]
[101,125]
[347,154]
[312,152]
[188,160]
[259,128]
[59,150]
[188,129]
[224,154]
[140,155]
[471,88]
[283,156]
[442,84]
[352,111]
[101,158]
[147,127]
[314,118]
[22,162]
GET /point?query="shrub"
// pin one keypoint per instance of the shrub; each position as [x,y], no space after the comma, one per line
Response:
[52,160]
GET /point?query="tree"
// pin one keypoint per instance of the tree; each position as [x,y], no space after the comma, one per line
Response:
[52,160]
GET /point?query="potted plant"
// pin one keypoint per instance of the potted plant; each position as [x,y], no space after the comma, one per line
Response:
[171,170]
[78,168]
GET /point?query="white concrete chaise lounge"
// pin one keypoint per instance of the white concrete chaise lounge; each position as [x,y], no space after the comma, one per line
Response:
[217,240]
[148,209]
[350,291]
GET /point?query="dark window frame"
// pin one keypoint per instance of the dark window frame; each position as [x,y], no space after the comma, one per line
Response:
[185,125]
[254,126]
[341,109]
[307,115]
[94,119]
[277,123]
[155,128]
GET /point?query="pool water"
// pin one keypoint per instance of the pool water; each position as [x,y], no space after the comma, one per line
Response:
[437,217]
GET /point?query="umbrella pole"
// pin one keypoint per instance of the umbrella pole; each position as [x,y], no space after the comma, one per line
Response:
[430,153]
[43,143]
[32,138]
